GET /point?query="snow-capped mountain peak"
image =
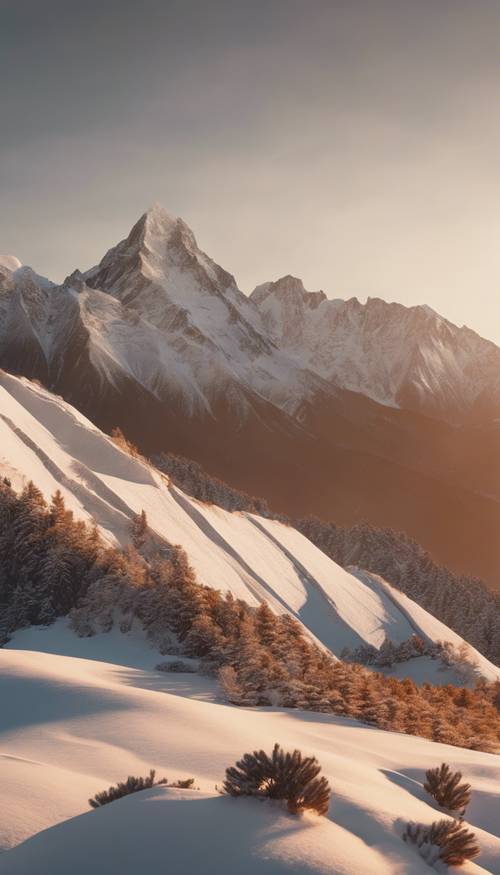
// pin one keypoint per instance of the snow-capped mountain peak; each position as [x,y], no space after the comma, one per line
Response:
[160,310]
[158,246]
[154,230]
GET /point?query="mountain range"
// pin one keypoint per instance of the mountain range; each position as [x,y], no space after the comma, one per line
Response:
[324,406]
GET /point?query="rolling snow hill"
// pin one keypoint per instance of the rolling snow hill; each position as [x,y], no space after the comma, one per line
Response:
[76,725]
[43,439]
[321,406]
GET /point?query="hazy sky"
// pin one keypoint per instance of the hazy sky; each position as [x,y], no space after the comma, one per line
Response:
[353,143]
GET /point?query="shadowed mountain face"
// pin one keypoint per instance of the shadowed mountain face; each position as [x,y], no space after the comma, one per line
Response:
[345,410]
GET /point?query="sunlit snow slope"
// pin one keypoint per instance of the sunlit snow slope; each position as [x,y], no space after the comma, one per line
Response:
[76,725]
[44,439]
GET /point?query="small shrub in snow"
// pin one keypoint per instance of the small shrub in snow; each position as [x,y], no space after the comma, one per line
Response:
[121,441]
[446,788]
[443,841]
[134,785]
[177,666]
[282,775]
[124,788]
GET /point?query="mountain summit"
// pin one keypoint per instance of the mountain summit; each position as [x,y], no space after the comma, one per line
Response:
[320,405]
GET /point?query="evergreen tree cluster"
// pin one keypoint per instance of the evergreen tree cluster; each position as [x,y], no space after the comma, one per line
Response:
[390,652]
[51,564]
[463,603]
[192,479]
[264,659]
[47,558]
[461,658]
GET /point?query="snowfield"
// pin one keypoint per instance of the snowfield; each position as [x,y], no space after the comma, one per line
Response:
[44,439]
[75,725]
[83,713]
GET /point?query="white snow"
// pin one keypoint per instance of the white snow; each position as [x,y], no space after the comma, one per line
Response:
[75,725]
[382,350]
[81,714]
[159,309]
[44,439]
[10,262]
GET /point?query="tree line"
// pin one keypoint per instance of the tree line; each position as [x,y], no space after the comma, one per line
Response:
[463,603]
[53,565]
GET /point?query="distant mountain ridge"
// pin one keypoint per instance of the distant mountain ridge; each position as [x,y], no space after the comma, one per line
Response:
[409,357]
[346,410]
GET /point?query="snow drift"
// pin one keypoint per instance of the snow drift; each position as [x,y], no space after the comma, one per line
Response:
[76,725]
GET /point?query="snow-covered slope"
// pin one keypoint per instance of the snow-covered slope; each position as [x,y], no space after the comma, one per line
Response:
[273,393]
[44,439]
[399,356]
[76,725]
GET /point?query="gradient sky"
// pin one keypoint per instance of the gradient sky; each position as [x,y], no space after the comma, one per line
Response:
[353,143]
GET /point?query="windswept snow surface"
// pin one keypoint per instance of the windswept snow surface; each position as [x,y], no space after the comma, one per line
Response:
[44,439]
[74,726]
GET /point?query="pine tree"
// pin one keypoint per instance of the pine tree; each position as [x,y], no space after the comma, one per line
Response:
[202,637]
[139,529]
[265,625]
[231,687]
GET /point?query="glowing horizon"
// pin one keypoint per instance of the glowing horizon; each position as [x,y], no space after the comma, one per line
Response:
[353,146]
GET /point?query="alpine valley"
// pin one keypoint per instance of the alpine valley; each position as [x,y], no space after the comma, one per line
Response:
[322,406]
[239,630]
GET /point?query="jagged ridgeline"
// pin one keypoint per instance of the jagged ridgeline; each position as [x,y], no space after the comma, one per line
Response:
[52,565]
[338,408]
